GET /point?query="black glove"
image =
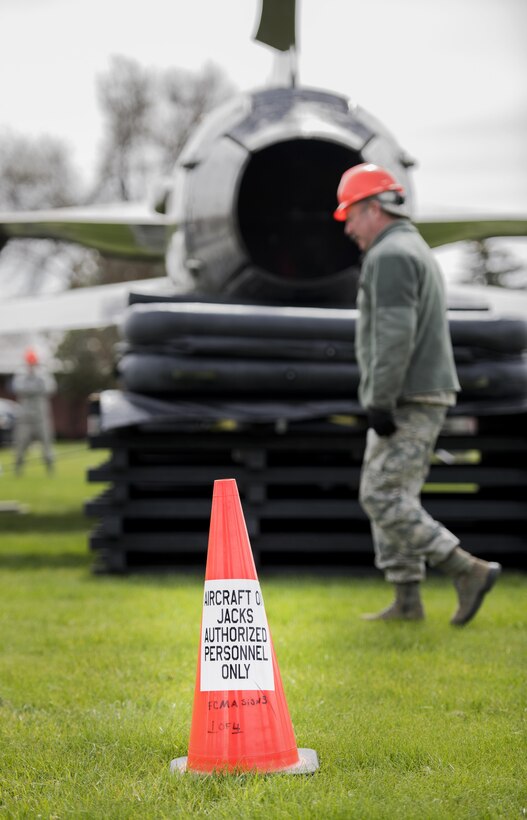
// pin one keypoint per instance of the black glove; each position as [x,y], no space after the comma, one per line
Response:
[381,421]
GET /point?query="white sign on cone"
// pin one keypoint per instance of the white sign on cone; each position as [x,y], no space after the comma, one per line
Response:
[235,640]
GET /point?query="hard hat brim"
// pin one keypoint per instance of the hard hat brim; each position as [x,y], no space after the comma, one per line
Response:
[341,213]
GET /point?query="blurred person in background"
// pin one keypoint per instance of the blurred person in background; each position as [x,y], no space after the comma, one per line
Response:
[33,387]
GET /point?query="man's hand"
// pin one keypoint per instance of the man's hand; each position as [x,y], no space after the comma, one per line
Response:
[381,421]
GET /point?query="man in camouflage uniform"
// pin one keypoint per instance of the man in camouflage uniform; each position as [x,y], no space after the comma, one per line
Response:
[408,381]
[33,386]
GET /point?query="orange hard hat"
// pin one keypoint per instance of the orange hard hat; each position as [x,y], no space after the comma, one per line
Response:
[360,182]
[30,356]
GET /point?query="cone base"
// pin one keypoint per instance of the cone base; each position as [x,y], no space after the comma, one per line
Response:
[307,764]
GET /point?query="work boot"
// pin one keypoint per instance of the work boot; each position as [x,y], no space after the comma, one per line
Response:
[473,578]
[406,607]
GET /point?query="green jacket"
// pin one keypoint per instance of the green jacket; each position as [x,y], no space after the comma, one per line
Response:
[402,341]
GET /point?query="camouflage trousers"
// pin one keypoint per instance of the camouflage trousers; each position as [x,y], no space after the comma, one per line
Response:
[394,469]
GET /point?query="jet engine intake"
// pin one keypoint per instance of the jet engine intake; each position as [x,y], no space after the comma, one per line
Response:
[257,191]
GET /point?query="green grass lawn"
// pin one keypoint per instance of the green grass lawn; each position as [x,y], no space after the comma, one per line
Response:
[97,676]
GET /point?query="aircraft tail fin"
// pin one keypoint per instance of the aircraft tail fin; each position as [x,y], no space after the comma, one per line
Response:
[277,24]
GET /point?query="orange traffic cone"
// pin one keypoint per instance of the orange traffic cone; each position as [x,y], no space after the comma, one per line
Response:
[240,719]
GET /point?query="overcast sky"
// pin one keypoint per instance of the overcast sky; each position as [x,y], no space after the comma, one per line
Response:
[447,77]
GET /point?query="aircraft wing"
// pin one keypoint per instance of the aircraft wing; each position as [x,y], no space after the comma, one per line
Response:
[444,230]
[105,305]
[505,302]
[126,230]
[82,308]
